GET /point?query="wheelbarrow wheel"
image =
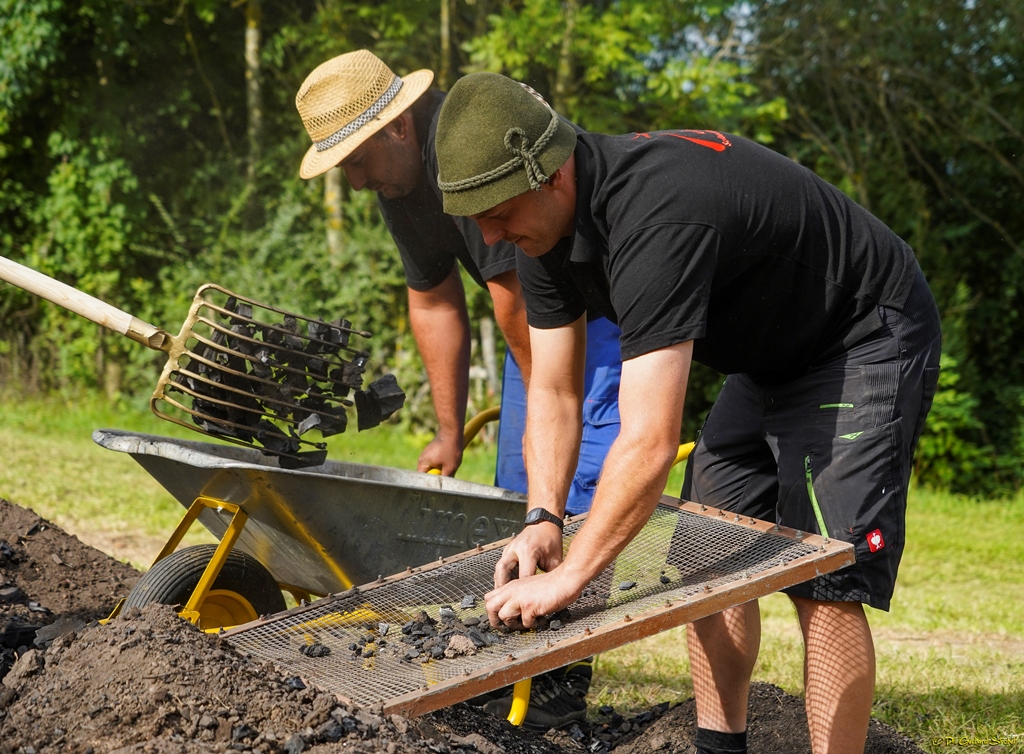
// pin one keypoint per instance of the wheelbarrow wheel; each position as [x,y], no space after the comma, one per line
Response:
[243,591]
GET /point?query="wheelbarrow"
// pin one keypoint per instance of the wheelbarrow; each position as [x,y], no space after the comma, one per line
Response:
[308,532]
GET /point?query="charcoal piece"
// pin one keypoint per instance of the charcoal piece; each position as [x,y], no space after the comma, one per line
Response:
[555,624]
[333,337]
[369,653]
[10,593]
[340,333]
[437,652]
[307,424]
[317,368]
[424,620]
[275,442]
[470,622]
[665,579]
[625,586]
[315,650]
[354,647]
[412,654]
[334,423]
[303,460]
[379,401]
[389,394]
[294,682]
[296,381]
[477,638]
[469,601]
[349,374]
[383,628]
[446,613]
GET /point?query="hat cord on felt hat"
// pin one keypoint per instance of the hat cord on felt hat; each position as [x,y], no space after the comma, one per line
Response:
[525,155]
[361,120]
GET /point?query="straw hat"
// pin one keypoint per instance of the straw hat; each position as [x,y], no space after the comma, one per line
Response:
[346,100]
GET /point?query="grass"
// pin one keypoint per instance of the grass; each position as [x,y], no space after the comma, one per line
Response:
[51,464]
[950,653]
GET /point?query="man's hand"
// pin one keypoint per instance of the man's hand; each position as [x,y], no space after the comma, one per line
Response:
[443,453]
[520,602]
[536,546]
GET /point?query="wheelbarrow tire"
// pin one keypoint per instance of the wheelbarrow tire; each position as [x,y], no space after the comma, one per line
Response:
[244,588]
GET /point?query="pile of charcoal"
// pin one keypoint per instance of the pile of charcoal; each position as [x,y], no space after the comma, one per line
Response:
[269,384]
[423,638]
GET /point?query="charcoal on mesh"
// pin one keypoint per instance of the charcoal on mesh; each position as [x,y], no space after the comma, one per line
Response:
[315,650]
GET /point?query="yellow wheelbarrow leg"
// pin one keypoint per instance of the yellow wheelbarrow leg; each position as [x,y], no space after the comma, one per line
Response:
[191,610]
[520,701]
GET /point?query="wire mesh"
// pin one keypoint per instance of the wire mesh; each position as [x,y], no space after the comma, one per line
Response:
[679,554]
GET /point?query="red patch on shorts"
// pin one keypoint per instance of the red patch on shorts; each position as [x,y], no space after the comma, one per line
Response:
[875,541]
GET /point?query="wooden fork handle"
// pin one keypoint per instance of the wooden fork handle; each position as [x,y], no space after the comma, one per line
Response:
[85,305]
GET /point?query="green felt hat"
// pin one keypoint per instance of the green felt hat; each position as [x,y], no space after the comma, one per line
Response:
[496,140]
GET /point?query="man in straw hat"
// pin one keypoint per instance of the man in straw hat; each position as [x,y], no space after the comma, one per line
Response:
[703,245]
[379,129]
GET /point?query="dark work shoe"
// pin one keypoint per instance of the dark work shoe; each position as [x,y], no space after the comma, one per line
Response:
[578,675]
[554,703]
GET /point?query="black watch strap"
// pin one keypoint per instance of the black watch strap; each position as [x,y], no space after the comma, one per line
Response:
[536,515]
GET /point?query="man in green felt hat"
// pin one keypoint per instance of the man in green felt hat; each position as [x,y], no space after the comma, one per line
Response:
[703,245]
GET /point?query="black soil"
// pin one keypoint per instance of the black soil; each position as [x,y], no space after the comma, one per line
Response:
[150,682]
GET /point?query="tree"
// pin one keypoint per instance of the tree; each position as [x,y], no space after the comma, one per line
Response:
[917,111]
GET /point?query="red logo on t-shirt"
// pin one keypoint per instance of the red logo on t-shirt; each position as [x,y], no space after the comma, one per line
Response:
[710,139]
[875,541]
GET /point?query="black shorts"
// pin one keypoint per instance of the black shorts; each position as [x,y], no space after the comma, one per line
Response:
[831,451]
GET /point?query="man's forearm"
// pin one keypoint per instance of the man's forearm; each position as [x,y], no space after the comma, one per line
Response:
[554,414]
[510,314]
[440,325]
[637,466]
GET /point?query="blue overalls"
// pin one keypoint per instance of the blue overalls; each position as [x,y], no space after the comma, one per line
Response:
[600,417]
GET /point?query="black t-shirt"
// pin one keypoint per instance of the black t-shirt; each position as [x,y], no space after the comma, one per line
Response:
[705,236]
[428,240]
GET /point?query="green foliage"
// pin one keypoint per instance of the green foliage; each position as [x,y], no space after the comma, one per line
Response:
[917,111]
[622,66]
[948,455]
[126,171]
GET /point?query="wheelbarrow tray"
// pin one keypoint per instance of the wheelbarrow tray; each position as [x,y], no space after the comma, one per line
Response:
[326,528]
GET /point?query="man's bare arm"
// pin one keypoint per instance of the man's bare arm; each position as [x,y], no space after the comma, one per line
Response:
[651,397]
[554,418]
[510,314]
[440,324]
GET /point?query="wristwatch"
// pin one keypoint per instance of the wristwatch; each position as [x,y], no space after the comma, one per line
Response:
[536,515]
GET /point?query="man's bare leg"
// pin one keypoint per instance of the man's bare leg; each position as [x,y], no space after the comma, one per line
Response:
[723,649]
[839,674]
